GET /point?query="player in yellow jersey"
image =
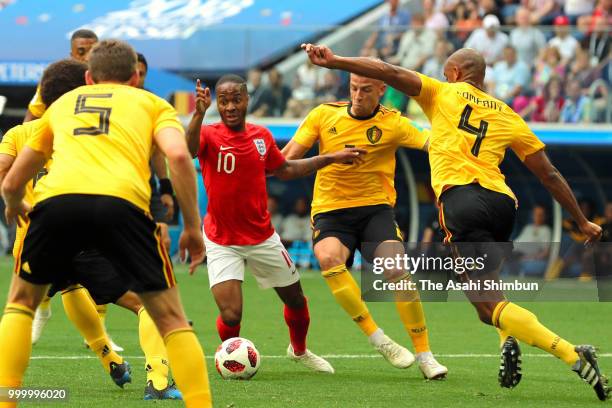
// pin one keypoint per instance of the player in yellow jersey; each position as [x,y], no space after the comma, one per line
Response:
[353,205]
[470,134]
[96,196]
[81,42]
[94,271]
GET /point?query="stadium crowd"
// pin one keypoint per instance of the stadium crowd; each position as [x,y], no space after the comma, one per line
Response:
[548,59]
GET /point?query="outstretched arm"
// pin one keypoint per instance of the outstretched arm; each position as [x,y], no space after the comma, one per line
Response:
[399,78]
[293,150]
[193,130]
[299,168]
[539,164]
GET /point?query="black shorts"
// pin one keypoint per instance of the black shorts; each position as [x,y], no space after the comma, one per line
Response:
[64,226]
[474,214]
[97,275]
[356,226]
[158,211]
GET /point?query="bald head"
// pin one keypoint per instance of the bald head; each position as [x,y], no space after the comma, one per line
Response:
[465,65]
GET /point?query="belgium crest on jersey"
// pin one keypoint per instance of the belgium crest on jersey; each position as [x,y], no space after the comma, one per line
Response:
[260,144]
[374,134]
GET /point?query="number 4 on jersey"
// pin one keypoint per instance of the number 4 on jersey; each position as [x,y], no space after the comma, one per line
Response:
[480,132]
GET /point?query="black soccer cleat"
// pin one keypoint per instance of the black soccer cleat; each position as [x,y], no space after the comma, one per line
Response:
[121,373]
[588,369]
[510,365]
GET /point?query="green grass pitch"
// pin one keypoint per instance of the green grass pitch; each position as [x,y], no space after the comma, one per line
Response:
[362,379]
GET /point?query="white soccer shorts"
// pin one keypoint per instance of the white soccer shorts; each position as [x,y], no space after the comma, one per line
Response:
[268,261]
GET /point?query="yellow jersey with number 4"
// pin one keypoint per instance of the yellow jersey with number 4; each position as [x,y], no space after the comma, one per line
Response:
[339,186]
[100,138]
[470,134]
[12,143]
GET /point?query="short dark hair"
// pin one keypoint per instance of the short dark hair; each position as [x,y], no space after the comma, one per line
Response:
[84,33]
[112,60]
[61,77]
[141,58]
[232,79]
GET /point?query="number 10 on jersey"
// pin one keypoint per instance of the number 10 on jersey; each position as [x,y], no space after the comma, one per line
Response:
[226,162]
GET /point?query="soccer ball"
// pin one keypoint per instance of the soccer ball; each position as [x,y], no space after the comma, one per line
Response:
[237,359]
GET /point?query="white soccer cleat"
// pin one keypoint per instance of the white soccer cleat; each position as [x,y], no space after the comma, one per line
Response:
[41,317]
[311,361]
[398,356]
[115,346]
[431,369]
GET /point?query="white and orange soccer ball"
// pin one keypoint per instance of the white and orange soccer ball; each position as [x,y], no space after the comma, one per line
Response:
[237,359]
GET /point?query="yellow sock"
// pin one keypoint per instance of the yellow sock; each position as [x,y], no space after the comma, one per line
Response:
[81,311]
[152,344]
[348,295]
[524,325]
[101,309]
[412,316]
[15,345]
[45,305]
[189,368]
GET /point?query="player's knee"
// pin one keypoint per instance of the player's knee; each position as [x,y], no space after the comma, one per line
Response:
[295,302]
[231,316]
[328,260]
[485,313]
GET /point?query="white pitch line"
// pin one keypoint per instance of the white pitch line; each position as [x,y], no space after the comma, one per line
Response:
[332,356]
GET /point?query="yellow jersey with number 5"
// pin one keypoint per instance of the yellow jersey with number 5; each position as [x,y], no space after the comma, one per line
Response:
[470,133]
[100,138]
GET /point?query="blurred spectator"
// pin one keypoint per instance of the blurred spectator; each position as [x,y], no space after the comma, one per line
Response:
[581,69]
[526,39]
[434,66]
[486,7]
[275,216]
[576,8]
[415,46]
[255,89]
[563,41]
[542,12]
[510,76]
[576,104]
[545,107]
[508,11]
[329,90]
[296,226]
[308,78]
[604,10]
[488,40]
[447,7]
[599,41]
[466,20]
[434,19]
[533,243]
[390,27]
[547,65]
[538,233]
[274,96]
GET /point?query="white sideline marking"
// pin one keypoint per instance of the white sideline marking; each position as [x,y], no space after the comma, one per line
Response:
[337,356]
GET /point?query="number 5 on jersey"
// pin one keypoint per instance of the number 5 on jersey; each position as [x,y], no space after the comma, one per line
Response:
[103,112]
[226,162]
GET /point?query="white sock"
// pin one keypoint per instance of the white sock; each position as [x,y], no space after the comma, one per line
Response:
[424,356]
[377,338]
